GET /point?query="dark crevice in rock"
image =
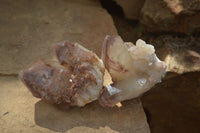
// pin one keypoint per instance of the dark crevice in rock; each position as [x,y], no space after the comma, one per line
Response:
[112,7]
[148,115]
[128,29]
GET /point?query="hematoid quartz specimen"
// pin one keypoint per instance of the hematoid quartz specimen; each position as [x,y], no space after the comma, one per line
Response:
[77,78]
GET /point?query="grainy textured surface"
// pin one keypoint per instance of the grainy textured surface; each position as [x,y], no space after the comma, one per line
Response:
[174,104]
[180,16]
[181,54]
[29,114]
[30,28]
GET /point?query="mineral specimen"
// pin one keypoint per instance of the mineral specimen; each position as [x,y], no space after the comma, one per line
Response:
[77,80]
[134,69]
[77,77]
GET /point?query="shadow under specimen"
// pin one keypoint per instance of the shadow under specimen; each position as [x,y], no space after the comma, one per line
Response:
[129,118]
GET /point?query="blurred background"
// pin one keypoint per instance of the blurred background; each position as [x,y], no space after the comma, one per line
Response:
[29,29]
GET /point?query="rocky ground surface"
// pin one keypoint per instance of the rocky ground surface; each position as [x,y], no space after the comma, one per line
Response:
[28,31]
[21,112]
[30,28]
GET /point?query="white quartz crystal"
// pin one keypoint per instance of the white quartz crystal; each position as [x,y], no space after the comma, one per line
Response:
[133,68]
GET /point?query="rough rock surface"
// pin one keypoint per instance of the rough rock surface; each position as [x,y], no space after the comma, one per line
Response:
[181,16]
[30,28]
[131,8]
[174,104]
[21,112]
[181,54]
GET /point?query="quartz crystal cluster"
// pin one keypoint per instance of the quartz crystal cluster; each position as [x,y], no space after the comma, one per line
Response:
[76,80]
[134,69]
[77,77]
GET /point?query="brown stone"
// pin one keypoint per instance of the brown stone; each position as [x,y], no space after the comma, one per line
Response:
[29,29]
[180,16]
[173,106]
